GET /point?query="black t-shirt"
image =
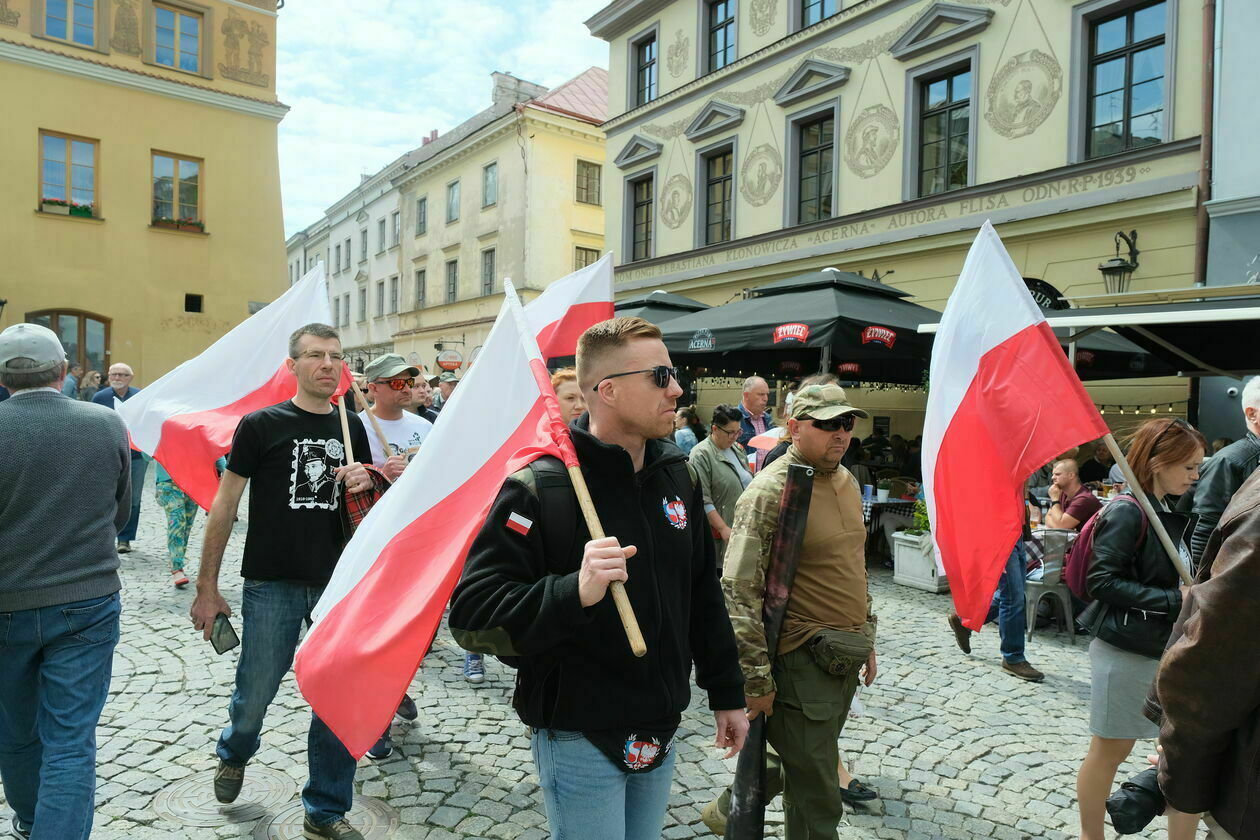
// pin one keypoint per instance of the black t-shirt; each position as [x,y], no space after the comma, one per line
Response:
[289,456]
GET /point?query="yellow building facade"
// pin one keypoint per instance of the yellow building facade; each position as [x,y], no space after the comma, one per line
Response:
[752,140]
[141,217]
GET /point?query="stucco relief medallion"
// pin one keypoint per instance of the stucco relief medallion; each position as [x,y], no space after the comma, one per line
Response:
[126,37]
[873,138]
[761,16]
[761,175]
[8,17]
[676,201]
[235,30]
[1022,93]
[679,51]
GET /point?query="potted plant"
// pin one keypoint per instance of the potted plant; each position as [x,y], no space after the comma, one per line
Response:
[882,488]
[86,211]
[57,206]
[192,224]
[179,224]
[914,561]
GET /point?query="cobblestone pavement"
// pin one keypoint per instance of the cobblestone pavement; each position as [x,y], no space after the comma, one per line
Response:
[956,747]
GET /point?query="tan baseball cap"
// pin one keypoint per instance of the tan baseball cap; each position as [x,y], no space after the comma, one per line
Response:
[823,402]
[34,342]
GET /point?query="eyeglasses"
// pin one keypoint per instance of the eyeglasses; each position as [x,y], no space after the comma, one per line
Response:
[397,384]
[120,375]
[318,356]
[661,375]
[1176,421]
[733,431]
[835,424]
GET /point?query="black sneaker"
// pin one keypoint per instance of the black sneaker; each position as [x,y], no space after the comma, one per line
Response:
[340,830]
[857,792]
[961,634]
[382,749]
[227,782]
[15,829]
[407,709]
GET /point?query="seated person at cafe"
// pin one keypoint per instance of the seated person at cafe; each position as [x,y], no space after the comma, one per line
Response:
[1071,503]
[1097,467]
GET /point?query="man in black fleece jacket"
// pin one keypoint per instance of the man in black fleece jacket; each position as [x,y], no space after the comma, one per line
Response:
[535,588]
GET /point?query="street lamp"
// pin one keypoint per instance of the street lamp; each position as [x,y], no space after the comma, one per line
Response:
[1117,271]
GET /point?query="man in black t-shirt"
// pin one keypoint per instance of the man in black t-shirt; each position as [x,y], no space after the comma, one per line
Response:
[293,456]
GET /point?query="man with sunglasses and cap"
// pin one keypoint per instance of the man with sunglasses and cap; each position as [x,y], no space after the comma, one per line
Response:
[389,383]
[828,638]
[535,588]
[446,382]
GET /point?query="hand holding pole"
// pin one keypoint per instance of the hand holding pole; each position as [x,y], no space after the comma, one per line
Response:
[376,426]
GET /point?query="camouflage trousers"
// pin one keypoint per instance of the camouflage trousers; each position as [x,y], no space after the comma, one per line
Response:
[810,708]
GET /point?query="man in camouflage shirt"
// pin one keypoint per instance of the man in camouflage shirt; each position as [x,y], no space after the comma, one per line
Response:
[828,632]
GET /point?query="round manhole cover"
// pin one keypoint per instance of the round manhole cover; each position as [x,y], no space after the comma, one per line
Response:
[191,801]
[373,818]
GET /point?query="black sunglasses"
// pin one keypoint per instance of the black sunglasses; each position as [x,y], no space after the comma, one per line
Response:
[1176,421]
[661,375]
[835,424]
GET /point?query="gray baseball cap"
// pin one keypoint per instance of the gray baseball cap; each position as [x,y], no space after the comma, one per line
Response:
[31,341]
[389,366]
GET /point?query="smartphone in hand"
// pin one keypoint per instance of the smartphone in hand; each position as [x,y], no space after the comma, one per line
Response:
[222,636]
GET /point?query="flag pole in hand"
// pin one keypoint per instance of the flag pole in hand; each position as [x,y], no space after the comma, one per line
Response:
[345,426]
[561,434]
[367,409]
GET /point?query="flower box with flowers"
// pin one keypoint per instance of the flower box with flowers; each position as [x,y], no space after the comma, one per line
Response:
[61,207]
[179,224]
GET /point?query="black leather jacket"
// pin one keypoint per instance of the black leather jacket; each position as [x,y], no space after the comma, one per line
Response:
[1219,480]
[1137,588]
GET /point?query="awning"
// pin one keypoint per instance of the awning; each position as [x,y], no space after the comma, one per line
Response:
[658,307]
[1196,338]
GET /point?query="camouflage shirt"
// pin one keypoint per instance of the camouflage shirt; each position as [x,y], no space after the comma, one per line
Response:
[748,558]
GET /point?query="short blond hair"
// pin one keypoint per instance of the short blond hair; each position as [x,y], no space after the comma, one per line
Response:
[603,338]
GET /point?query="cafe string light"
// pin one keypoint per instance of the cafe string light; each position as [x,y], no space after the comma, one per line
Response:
[1141,408]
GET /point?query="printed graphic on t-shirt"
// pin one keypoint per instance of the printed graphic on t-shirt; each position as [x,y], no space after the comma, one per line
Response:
[314,483]
[410,448]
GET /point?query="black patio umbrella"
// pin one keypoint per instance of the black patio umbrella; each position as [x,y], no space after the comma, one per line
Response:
[855,327]
[658,307]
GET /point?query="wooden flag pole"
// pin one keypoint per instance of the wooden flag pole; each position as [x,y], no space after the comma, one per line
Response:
[345,429]
[622,601]
[376,426]
[1138,493]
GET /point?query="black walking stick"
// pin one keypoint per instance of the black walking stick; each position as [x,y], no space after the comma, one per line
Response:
[748,806]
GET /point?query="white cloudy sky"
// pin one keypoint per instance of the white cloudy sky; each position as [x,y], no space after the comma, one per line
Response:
[366,80]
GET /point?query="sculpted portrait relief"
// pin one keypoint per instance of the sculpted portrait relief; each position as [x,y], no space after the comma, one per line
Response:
[873,138]
[237,33]
[1022,93]
[8,17]
[761,174]
[126,37]
[676,201]
[761,16]
[678,53]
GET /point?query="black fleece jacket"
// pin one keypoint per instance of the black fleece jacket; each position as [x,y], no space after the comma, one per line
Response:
[576,670]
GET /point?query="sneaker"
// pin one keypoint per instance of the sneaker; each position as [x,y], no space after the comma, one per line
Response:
[857,792]
[340,830]
[1023,670]
[474,668]
[961,634]
[178,579]
[227,782]
[124,547]
[15,829]
[407,709]
[382,749]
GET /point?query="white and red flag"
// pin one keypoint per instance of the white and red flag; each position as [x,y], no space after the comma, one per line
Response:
[186,419]
[1003,401]
[384,604]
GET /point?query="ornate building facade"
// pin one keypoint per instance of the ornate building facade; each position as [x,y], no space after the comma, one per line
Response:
[423,244]
[142,213]
[752,140]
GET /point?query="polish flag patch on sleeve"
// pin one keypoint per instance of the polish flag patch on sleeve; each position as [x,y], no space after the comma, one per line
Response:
[520,524]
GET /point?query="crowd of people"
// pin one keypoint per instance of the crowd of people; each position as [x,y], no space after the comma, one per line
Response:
[695,527]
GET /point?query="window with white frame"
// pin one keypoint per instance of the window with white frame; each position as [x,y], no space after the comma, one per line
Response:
[380,298]
[337,261]
[420,290]
[363,246]
[395,228]
[380,236]
[452,280]
[487,271]
[490,184]
[346,265]
[363,303]
[393,294]
[345,310]
[422,216]
[588,175]
[452,202]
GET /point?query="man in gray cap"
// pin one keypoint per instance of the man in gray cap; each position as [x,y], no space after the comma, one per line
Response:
[389,383]
[446,383]
[65,490]
[828,635]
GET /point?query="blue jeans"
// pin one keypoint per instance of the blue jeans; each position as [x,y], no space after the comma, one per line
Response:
[272,613]
[587,797]
[55,667]
[1008,606]
[138,468]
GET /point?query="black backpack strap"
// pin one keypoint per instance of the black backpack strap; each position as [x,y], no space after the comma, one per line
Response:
[558,503]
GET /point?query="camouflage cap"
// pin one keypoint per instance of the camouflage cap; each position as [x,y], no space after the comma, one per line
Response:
[823,402]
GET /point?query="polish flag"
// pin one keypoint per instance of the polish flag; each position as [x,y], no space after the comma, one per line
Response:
[186,419]
[1003,401]
[382,608]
